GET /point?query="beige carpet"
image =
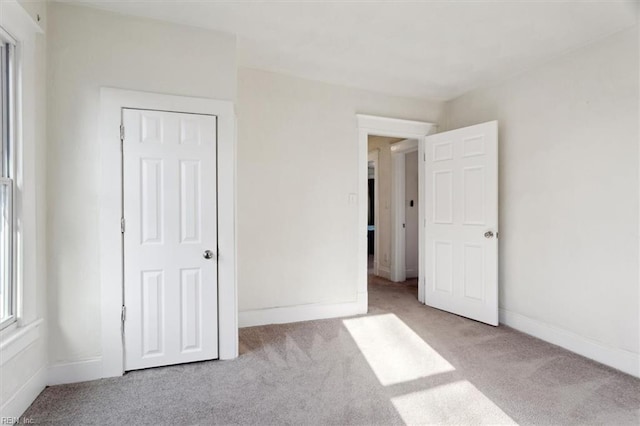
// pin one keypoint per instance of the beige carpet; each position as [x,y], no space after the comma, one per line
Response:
[401,363]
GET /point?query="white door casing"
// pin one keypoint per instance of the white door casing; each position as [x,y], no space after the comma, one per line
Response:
[169,202]
[461,221]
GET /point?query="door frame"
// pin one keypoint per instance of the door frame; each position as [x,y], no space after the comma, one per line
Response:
[398,208]
[111,240]
[374,157]
[390,127]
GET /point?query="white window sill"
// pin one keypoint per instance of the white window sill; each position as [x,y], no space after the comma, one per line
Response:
[14,339]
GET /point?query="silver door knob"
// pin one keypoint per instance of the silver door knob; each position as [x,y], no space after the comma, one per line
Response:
[208,254]
[488,234]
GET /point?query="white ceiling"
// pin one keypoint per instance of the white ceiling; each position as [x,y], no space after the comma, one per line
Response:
[427,49]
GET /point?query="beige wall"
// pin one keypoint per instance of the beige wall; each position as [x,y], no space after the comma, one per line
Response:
[89,49]
[297,165]
[569,191]
[382,144]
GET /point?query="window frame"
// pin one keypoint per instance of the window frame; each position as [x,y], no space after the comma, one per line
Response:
[8,112]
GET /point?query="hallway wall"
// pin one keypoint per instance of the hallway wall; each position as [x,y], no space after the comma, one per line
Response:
[411,214]
[382,145]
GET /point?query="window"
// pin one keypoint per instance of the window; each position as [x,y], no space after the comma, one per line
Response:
[7,276]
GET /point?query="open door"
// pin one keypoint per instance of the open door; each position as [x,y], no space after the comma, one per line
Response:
[461,221]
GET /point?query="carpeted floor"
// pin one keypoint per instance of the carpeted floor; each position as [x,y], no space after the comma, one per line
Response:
[401,363]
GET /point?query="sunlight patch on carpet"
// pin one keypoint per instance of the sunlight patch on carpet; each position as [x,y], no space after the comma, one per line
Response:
[453,403]
[394,351]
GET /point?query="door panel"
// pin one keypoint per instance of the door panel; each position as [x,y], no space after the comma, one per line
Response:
[461,205]
[169,166]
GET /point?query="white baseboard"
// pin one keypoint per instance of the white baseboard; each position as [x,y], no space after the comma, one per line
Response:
[411,273]
[22,399]
[384,272]
[77,371]
[298,313]
[619,359]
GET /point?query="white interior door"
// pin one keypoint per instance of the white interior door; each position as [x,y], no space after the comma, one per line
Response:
[170,238]
[461,221]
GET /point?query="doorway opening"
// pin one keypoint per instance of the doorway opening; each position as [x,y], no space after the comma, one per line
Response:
[457,217]
[385,265]
[392,210]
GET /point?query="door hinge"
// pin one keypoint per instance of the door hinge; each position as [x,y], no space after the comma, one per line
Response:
[121,132]
[123,314]
[122,225]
